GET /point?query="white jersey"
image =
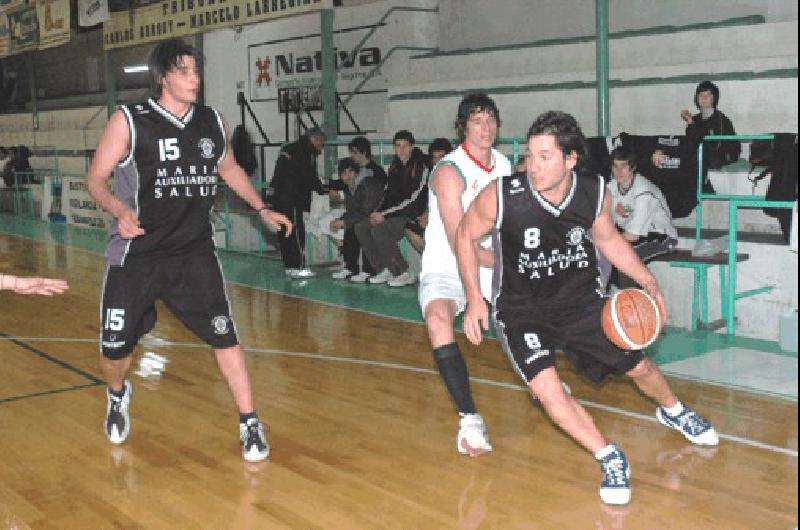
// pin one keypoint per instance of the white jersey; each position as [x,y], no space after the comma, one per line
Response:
[642,209]
[438,256]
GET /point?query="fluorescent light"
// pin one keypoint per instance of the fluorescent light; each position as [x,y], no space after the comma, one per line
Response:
[135,69]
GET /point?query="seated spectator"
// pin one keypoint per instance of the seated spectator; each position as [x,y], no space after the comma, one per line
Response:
[437,149]
[710,120]
[360,201]
[3,163]
[9,177]
[361,151]
[415,229]
[405,198]
[520,167]
[639,211]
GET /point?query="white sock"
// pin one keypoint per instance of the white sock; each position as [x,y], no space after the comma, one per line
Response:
[675,410]
[604,452]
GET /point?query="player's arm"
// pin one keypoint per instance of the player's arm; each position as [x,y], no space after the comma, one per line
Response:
[619,252]
[448,186]
[475,224]
[114,146]
[237,180]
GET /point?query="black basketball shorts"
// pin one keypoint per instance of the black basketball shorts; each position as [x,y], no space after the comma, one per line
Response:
[190,286]
[531,339]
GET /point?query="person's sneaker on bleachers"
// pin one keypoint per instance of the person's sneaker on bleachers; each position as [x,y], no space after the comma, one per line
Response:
[382,277]
[342,274]
[361,277]
[402,279]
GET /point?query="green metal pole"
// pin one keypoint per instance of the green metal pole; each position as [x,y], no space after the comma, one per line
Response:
[111,83]
[601,49]
[34,102]
[330,112]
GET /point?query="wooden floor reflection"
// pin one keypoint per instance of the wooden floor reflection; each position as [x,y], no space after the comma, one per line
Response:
[363,433]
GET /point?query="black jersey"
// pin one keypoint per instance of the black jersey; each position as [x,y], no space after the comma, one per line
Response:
[545,260]
[169,179]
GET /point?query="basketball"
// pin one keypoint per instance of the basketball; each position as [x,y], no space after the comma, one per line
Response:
[631,319]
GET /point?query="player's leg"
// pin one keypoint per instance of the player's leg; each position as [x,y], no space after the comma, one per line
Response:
[441,299]
[198,299]
[127,312]
[531,348]
[671,411]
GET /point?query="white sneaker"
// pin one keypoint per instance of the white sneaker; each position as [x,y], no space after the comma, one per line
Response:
[118,415]
[382,277]
[403,279]
[255,447]
[361,277]
[300,274]
[342,274]
[472,438]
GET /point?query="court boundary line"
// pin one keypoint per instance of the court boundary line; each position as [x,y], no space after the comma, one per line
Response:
[46,356]
[684,377]
[488,382]
[49,392]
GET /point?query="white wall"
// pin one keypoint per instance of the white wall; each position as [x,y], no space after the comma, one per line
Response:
[754,105]
[482,23]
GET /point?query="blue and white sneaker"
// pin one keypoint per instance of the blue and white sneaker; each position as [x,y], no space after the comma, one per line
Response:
[255,447]
[118,415]
[693,426]
[615,488]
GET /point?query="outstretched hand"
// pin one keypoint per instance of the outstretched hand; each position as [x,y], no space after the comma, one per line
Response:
[42,286]
[276,220]
[476,319]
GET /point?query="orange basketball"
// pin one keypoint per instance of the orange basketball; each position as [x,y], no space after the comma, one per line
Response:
[631,319]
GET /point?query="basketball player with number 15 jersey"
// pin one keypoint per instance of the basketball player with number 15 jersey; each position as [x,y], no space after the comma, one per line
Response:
[168,155]
[548,223]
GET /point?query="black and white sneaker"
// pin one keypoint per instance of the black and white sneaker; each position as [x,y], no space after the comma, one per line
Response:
[118,415]
[255,447]
[616,485]
[693,426]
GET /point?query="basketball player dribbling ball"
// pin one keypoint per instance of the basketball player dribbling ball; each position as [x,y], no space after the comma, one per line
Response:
[168,155]
[455,182]
[548,223]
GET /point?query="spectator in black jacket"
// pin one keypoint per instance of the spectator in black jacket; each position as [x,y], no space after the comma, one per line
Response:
[361,151]
[360,200]
[405,198]
[294,180]
[711,120]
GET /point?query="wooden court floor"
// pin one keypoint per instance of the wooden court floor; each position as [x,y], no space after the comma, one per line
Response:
[362,431]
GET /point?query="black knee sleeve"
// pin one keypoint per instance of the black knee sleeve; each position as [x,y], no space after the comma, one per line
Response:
[454,373]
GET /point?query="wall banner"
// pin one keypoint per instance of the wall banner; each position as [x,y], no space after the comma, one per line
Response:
[54,17]
[23,29]
[79,207]
[290,70]
[177,18]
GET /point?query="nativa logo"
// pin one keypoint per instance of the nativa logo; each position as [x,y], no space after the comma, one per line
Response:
[290,63]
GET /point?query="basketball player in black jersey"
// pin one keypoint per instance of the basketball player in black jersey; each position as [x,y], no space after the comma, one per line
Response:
[547,225]
[168,155]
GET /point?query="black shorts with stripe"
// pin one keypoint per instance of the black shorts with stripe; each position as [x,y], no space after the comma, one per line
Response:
[191,286]
[531,339]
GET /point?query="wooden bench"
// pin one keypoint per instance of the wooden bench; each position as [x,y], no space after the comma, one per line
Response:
[700,264]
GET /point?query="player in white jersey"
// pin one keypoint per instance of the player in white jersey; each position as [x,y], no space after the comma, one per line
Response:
[455,182]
